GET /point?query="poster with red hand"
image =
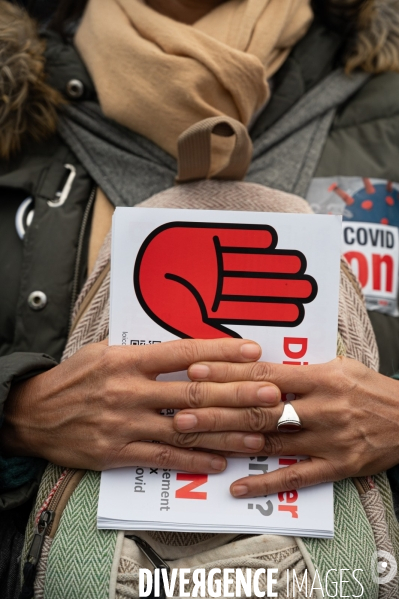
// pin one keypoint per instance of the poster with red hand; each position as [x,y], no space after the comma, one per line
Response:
[270,277]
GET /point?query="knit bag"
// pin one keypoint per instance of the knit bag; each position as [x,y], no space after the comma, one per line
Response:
[66,557]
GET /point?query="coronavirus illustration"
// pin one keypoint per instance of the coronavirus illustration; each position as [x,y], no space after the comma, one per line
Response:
[373,203]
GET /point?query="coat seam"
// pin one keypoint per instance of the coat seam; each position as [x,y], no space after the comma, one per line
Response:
[368,122]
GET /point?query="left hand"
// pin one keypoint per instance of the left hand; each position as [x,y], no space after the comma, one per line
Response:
[349,414]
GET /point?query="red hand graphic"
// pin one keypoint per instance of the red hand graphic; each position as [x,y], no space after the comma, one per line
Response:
[193,278]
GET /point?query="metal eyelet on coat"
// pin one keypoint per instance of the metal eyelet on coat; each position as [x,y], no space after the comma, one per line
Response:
[64,193]
[24,217]
[37,300]
[75,89]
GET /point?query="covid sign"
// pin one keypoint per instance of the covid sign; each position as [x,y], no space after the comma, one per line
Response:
[370,211]
[372,251]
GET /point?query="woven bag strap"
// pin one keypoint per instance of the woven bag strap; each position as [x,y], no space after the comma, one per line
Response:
[195,150]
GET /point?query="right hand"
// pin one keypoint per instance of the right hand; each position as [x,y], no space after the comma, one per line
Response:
[97,409]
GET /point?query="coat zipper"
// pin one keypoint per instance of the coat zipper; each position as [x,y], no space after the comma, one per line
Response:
[54,501]
[75,284]
[42,530]
[30,567]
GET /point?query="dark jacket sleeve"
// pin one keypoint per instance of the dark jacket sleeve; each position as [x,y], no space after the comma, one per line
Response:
[19,477]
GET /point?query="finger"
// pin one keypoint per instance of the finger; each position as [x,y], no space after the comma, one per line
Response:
[239,310]
[303,474]
[253,419]
[162,430]
[236,287]
[301,379]
[234,239]
[262,263]
[153,455]
[275,444]
[173,356]
[180,395]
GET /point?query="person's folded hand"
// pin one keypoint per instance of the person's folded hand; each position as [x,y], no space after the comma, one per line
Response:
[98,408]
[349,414]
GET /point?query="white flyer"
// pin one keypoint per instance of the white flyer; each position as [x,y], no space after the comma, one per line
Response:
[162,499]
[269,277]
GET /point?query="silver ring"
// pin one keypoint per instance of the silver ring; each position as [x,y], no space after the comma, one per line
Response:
[289,421]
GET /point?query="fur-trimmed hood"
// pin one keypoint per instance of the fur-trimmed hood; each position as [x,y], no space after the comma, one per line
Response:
[28,105]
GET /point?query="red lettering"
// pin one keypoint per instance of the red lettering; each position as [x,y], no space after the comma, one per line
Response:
[293,509]
[288,496]
[303,342]
[362,266]
[292,363]
[295,363]
[377,266]
[187,492]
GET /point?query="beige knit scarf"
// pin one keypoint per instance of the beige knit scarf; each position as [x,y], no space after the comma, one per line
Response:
[158,76]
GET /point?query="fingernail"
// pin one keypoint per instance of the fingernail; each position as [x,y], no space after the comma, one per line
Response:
[218,464]
[254,441]
[186,421]
[239,491]
[251,351]
[199,371]
[268,394]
